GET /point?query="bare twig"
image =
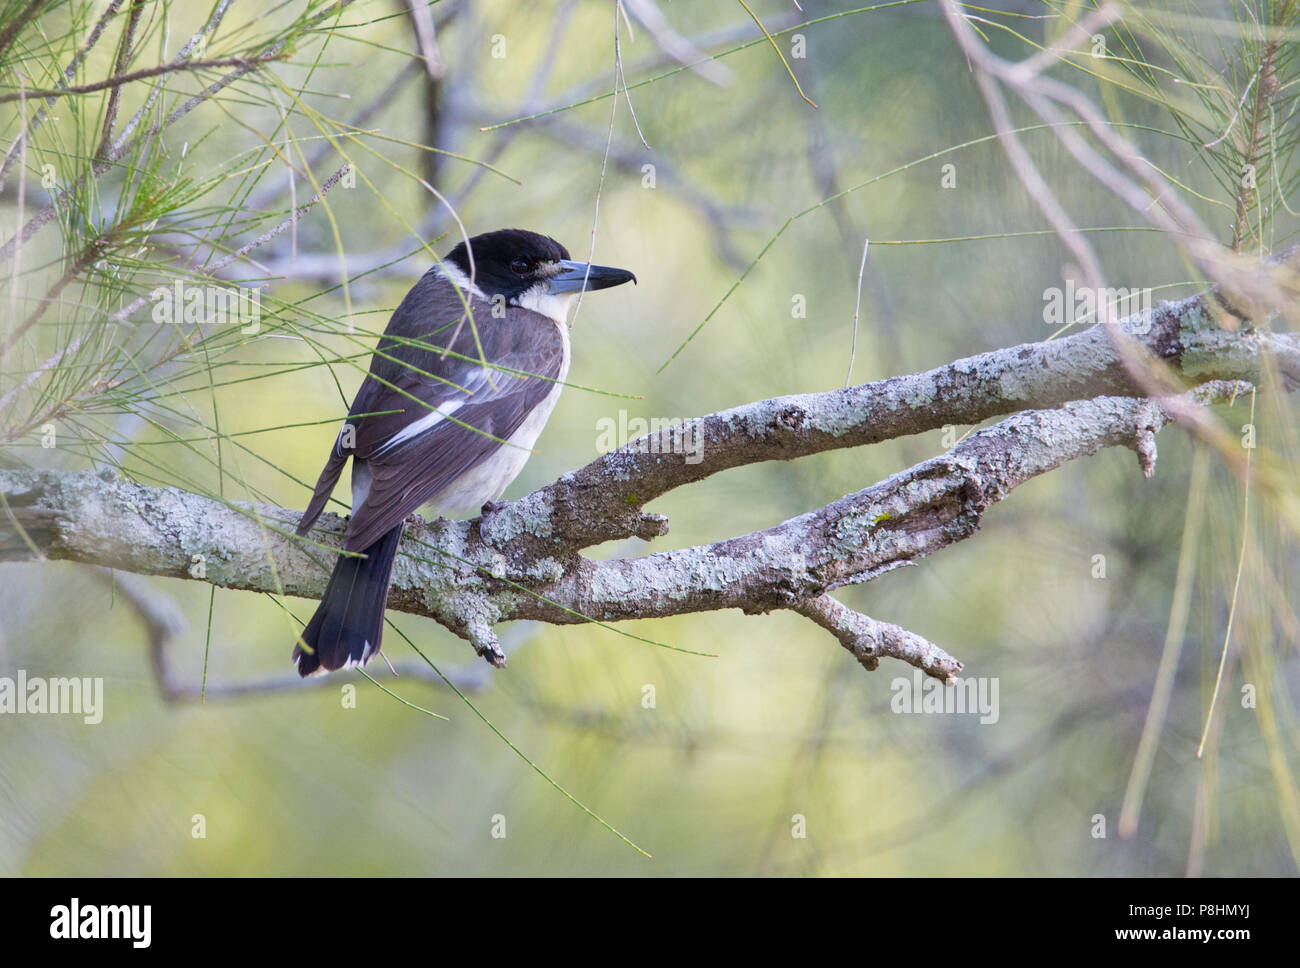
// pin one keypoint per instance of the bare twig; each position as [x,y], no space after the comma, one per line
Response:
[245,64]
[124,51]
[676,46]
[426,36]
[869,640]
[857,309]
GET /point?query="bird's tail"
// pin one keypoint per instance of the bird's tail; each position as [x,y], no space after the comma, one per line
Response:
[348,624]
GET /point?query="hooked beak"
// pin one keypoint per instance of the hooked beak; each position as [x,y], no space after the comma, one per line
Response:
[570,278]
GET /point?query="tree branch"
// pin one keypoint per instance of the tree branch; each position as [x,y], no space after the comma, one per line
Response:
[471,575]
[522,559]
[603,501]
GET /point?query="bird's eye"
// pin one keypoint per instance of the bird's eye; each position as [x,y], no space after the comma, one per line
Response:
[519,267]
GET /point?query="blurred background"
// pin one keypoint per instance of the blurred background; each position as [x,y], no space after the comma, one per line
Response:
[781,734]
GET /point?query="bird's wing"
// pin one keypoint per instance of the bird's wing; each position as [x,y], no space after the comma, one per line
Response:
[461,411]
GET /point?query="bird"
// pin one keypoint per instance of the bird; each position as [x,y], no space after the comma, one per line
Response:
[447,414]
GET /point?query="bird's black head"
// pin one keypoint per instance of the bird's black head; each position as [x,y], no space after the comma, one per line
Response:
[529,269]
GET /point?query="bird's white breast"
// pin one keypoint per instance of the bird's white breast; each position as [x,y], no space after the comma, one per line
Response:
[493,475]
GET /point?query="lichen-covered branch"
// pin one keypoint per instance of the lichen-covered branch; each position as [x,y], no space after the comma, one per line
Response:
[604,500]
[515,562]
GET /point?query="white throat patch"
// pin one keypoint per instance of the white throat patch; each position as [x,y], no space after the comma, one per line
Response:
[554,305]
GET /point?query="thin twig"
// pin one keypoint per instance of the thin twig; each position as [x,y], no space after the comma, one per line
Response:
[244,63]
[123,59]
[857,307]
[784,63]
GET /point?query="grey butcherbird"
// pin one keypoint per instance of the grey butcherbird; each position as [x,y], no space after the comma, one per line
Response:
[431,423]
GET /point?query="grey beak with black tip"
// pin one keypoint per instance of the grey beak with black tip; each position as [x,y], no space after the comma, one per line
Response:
[576,276]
